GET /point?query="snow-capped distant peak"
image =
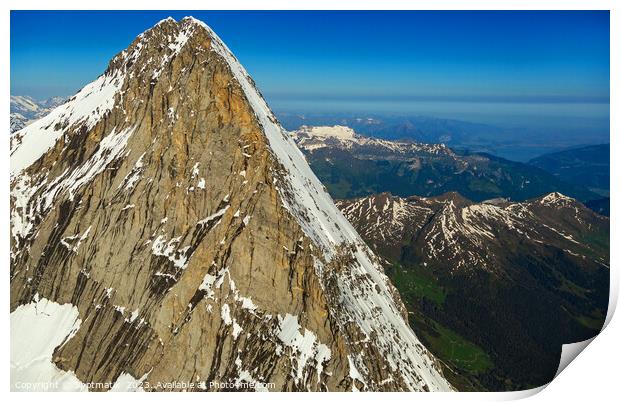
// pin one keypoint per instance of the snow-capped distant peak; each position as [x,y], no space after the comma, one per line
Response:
[310,138]
[23,104]
[341,132]
[556,197]
[25,110]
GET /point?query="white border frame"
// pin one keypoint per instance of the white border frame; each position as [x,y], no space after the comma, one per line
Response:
[593,375]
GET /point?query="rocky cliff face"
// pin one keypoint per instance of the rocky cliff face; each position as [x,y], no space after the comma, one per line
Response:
[188,240]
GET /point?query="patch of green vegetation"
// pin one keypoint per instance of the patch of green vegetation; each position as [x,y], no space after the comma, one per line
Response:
[599,241]
[484,186]
[413,281]
[456,350]
[416,284]
[340,189]
[571,287]
[596,322]
[564,284]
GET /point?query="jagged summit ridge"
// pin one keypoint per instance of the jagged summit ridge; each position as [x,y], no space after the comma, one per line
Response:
[175,209]
[95,100]
[467,236]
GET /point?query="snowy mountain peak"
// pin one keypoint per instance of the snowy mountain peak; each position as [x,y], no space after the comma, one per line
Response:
[311,138]
[557,199]
[165,20]
[167,204]
[23,104]
[342,132]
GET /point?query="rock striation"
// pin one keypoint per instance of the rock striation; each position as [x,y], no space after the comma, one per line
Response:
[166,206]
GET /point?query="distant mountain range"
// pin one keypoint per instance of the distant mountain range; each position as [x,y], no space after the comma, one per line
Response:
[354,166]
[25,109]
[587,166]
[509,142]
[413,128]
[527,269]
[494,289]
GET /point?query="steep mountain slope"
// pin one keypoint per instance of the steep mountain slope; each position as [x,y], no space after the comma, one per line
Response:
[585,166]
[176,231]
[494,289]
[356,166]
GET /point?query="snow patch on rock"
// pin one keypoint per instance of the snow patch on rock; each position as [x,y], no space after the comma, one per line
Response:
[304,346]
[86,108]
[37,329]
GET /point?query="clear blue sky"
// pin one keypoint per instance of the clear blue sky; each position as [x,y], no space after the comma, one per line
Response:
[455,55]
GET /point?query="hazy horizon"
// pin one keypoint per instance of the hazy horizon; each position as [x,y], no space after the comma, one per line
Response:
[550,80]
